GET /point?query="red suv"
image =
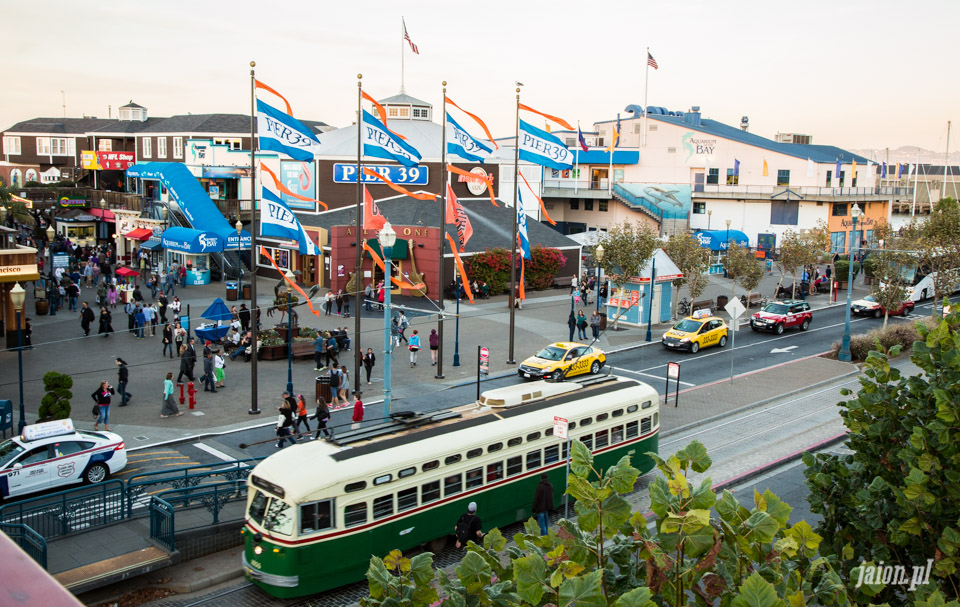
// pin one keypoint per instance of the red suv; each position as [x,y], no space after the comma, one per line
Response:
[781,315]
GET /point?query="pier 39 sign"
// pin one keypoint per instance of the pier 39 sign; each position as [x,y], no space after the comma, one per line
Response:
[347,173]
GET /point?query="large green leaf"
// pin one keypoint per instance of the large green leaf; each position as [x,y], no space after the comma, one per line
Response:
[638,597]
[378,578]
[583,591]
[616,511]
[777,508]
[623,476]
[581,461]
[529,573]
[494,540]
[473,572]
[757,592]
[580,489]
[587,517]
[660,497]
[727,507]
[421,568]
[806,538]
[696,454]
[761,527]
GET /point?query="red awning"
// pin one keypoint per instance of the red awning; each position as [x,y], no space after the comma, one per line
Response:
[139,234]
[104,214]
[124,271]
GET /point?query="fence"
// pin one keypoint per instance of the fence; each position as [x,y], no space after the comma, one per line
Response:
[69,511]
[28,539]
[140,486]
[212,497]
[162,523]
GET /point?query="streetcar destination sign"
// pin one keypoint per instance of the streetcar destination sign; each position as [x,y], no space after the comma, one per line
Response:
[560,427]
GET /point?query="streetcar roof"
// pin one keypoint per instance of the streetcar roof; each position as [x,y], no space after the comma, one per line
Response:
[305,470]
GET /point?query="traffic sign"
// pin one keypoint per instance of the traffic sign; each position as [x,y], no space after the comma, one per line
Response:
[735,309]
[560,427]
[484,362]
[673,370]
[484,353]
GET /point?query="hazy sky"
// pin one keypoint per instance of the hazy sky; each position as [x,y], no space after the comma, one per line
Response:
[853,73]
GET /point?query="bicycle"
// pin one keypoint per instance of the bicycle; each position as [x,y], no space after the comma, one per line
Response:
[683,307]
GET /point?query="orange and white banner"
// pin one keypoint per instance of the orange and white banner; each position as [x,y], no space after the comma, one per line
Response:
[398,188]
[400,283]
[543,208]
[463,273]
[559,121]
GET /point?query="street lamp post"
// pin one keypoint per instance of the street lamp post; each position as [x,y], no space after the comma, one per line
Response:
[573,315]
[598,253]
[17,296]
[50,234]
[456,337]
[239,227]
[709,218]
[387,239]
[290,276]
[653,282]
[845,344]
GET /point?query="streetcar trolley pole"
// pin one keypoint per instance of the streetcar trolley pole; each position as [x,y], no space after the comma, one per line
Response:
[483,365]
[560,431]
[673,372]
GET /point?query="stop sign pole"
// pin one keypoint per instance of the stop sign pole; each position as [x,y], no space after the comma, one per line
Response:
[483,359]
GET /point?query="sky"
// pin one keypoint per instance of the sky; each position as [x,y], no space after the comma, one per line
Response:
[852,73]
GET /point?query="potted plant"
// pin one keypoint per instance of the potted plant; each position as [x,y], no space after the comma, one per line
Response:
[55,404]
[271,346]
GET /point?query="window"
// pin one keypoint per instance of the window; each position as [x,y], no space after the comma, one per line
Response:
[161,147]
[570,142]
[147,145]
[407,472]
[11,145]
[430,465]
[513,442]
[316,516]
[43,146]
[258,506]
[382,506]
[58,146]
[587,205]
[35,455]
[494,447]
[452,485]
[699,208]
[636,128]
[570,426]
[404,111]
[551,454]
[70,447]
[407,499]
[105,145]
[358,486]
[472,453]
[178,153]
[232,143]
[494,471]
[279,518]
[656,420]
[853,181]
[649,403]
[575,205]
[514,466]
[783,176]
[632,430]
[280,256]
[452,459]
[355,514]
[841,176]
[713,176]
[392,112]
[602,439]
[430,492]
[839,209]
[603,205]
[617,413]
[645,425]
[587,439]
[419,113]
[586,421]
[533,436]
[616,435]
[837,242]
[602,417]
[653,127]
[380,480]
[474,478]
[829,178]
[533,460]
[632,408]
[671,150]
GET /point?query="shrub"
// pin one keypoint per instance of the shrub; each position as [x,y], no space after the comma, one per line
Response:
[542,269]
[898,334]
[493,267]
[55,404]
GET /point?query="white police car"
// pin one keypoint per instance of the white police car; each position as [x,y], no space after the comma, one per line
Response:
[55,454]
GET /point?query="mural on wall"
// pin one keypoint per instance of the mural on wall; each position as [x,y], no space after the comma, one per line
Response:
[695,144]
[671,198]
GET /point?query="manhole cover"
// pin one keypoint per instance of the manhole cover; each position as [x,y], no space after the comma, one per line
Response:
[140,438]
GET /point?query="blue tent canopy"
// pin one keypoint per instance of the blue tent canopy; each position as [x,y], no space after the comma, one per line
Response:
[217,311]
[716,240]
[189,240]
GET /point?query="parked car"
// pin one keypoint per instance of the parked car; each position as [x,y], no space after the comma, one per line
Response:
[784,314]
[700,330]
[869,306]
[572,357]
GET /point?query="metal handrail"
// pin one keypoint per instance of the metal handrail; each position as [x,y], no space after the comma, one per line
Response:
[212,496]
[639,201]
[29,540]
[69,511]
[162,522]
[136,485]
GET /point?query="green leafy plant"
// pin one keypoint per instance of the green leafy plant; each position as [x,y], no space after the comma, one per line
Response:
[693,261]
[55,404]
[540,271]
[491,266]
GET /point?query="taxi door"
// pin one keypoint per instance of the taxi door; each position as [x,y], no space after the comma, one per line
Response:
[30,472]
[707,335]
[583,363]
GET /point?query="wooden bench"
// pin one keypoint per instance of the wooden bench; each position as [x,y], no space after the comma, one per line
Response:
[756,299]
[303,350]
[703,304]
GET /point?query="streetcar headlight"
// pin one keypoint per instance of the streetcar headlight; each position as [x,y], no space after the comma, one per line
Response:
[258,550]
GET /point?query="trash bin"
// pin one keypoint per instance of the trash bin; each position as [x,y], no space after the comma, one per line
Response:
[246,291]
[232,290]
[722,302]
[323,388]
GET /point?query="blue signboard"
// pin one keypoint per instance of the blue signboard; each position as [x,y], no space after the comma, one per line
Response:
[191,241]
[347,173]
[297,176]
[718,240]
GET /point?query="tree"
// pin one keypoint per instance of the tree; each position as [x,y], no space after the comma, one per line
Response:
[55,404]
[894,499]
[939,246]
[627,248]
[887,264]
[800,249]
[746,268]
[693,261]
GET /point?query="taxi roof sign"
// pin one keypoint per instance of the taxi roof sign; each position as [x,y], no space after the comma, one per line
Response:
[47,429]
[703,313]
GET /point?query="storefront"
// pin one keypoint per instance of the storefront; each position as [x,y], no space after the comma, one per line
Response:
[632,305]
[415,258]
[310,268]
[78,226]
[17,264]
[841,224]
[132,231]
[191,249]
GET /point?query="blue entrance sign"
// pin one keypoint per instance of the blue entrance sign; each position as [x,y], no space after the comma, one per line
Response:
[190,241]
[347,173]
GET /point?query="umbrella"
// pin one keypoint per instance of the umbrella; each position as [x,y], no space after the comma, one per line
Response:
[127,272]
[217,311]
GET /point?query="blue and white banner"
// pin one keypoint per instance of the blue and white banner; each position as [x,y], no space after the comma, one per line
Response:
[278,221]
[192,241]
[540,147]
[522,226]
[347,173]
[283,133]
[381,143]
[463,144]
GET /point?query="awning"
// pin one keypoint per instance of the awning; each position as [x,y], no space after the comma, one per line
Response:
[717,240]
[189,240]
[104,215]
[125,271]
[399,249]
[139,234]
[154,244]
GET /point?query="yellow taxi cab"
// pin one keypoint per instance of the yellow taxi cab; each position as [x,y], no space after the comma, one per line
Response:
[553,360]
[697,331]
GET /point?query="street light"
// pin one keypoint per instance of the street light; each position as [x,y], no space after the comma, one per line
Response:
[50,234]
[17,296]
[239,227]
[103,203]
[709,217]
[598,253]
[845,344]
[293,278]
[387,239]
[456,337]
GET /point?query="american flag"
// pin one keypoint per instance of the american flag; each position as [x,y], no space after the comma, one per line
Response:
[650,60]
[406,36]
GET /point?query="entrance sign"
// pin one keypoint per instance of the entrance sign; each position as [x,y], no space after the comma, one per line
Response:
[560,426]
[415,175]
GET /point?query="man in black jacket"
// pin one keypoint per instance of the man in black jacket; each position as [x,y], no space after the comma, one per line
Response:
[123,376]
[86,317]
[187,360]
[543,502]
[244,316]
[468,527]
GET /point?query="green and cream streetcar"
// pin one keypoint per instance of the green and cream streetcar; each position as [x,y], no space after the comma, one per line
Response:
[316,512]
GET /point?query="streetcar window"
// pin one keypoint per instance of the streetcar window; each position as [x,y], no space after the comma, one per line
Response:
[514,466]
[548,431]
[586,421]
[645,425]
[632,429]
[452,485]
[632,408]
[407,472]
[472,453]
[616,435]
[494,447]
[406,499]
[563,450]
[656,419]
[452,459]
[258,506]
[494,471]
[513,442]
[533,436]
[617,412]
[380,480]
[355,514]
[279,517]
[316,516]
[357,486]
[267,485]
[430,465]
[647,404]
[571,425]
[430,492]
[602,439]
[602,417]
[382,506]
[587,439]
[474,478]
[551,454]
[533,460]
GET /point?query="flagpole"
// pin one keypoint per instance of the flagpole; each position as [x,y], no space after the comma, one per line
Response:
[513,242]
[358,275]
[254,255]
[916,175]
[610,173]
[576,174]
[443,231]
[403,57]
[646,84]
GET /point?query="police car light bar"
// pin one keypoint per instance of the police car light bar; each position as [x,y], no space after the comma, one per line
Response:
[47,430]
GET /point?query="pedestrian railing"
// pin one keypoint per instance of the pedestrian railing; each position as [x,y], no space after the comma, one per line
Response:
[28,539]
[162,522]
[212,497]
[140,487]
[69,511]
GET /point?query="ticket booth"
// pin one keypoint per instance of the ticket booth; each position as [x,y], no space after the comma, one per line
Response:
[191,249]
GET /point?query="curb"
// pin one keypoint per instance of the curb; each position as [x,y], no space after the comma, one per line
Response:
[207,582]
[759,470]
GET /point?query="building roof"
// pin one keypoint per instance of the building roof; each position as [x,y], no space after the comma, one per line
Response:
[201,123]
[403,98]
[423,135]
[54,126]
[491,225]
[182,123]
[133,105]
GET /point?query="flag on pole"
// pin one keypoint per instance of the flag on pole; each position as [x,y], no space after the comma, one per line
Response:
[279,185]
[368,172]
[617,138]
[406,36]
[811,168]
[278,221]
[913,168]
[583,142]
[372,219]
[283,133]
[522,226]
[381,111]
[651,61]
[837,171]
[543,207]
[463,273]
[476,119]
[883,171]
[736,167]
[463,144]
[263,86]
[540,147]
[559,121]
[379,142]
[766,169]
[458,217]
[854,170]
[899,170]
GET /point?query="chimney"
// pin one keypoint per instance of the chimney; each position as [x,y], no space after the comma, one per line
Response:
[110,112]
[745,123]
[692,117]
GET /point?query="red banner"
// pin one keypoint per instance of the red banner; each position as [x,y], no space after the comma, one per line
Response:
[116,161]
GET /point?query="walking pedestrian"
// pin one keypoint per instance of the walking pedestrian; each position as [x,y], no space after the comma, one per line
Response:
[102,396]
[573,284]
[167,339]
[339,300]
[179,337]
[183,276]
[322,416]
[369,360]
[86,317]
[346,306]
[244,315]
[137,295]
[414,346]
[101,294]
[302,414]
[357,407]
[285,424]
[175,308]
[595,324]
[208,377]
[367,297]
[404,325]
[130,309]
[219,368]
[123,377]
[318,351]
[434,346]
[106,323]
[394,333]
[335,376]
[327,303]
[139,322]
[73,293]
[581,325]
[380,296]
[468,527]
[53,295]
[162,304]
[332,348]
[543,502]
[188,359]
[112,296]
[169,406]
[344,384]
